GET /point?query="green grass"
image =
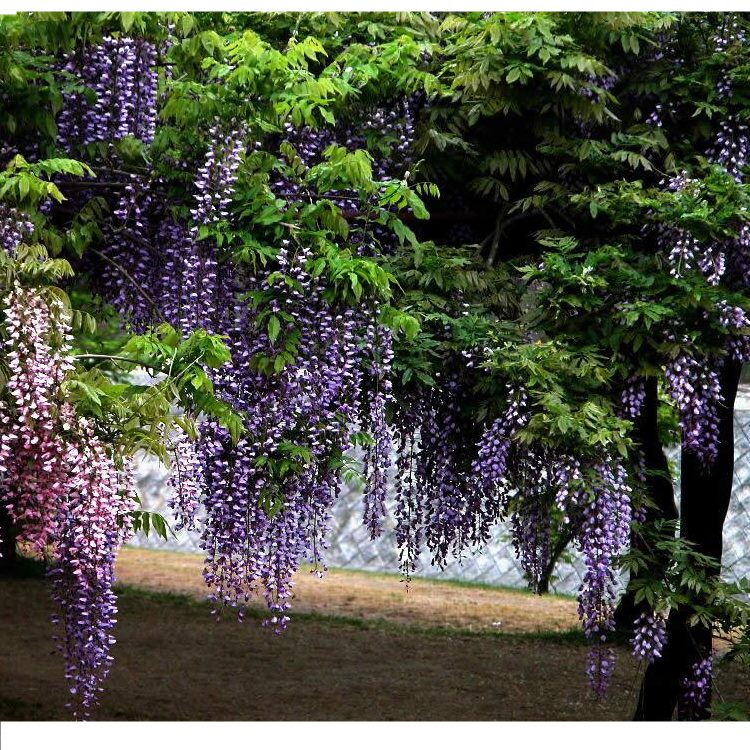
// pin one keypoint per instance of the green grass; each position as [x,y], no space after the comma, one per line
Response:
[32,568]
[135,595]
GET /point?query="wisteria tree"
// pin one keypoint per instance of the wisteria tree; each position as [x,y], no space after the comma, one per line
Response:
[501,257]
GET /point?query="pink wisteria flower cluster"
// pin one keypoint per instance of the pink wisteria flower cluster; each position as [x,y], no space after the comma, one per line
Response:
[63,488]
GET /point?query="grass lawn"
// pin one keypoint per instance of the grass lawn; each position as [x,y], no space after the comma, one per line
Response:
[359,647]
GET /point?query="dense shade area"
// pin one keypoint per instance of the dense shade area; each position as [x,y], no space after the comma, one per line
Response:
[198,669]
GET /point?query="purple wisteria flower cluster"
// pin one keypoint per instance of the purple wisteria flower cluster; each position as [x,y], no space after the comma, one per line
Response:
[605,535]
[649,636]
[15,227]
[260,524]
[258,521]
[94,522]
[122,74]
[692,383]
[377,455]
[632,398]
[185,482]
[447,507]
[696,688]
[696,390]
[600,668]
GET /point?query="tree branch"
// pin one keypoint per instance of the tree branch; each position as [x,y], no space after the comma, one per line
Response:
[127,275]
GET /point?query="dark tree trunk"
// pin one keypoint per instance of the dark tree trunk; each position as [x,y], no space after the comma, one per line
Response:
[658,487]
[705,494]
[7,542]
[560,545]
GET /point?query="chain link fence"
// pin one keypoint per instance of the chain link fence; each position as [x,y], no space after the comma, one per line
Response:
[351,547]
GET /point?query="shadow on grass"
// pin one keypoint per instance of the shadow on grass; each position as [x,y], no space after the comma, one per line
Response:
[33,568]
[572,636]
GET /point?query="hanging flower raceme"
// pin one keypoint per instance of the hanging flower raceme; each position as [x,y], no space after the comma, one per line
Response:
[531,520]
[122,74]
[201,287]
[599,669]
[632,398]
[186,482]
[261,523]
[650,636]
[15,226]
[258,524]
[62,487]
[93,520]
[696,688]
[695,387]
[409,502]
[377,457]
[33,453]
[604,535]
[491,463]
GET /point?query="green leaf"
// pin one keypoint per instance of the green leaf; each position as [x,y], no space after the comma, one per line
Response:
[274,328]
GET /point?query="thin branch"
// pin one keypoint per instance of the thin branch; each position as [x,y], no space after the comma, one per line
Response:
[124,271]
[118,358]
[499,229]
[123,172]
[549,219]
[75,185]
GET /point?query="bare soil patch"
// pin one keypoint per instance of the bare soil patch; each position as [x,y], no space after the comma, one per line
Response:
[368,596]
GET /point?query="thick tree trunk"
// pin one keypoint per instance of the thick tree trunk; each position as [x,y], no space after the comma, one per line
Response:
[7,542]
[658,487]
[705,495]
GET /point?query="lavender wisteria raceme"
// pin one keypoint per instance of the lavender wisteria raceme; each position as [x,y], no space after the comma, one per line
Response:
[599,669]
[122,74]
[409,503]
[696,389]
[259,524]
[491,463]
[185,482]
[632,398]
[200,285]
[449,523]
[531,520]
[94,520]
[377,458]
[605,534]
[649,636]
[15,227]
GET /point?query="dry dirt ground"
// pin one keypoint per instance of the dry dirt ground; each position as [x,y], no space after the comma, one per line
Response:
[360,648]
[368,596]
